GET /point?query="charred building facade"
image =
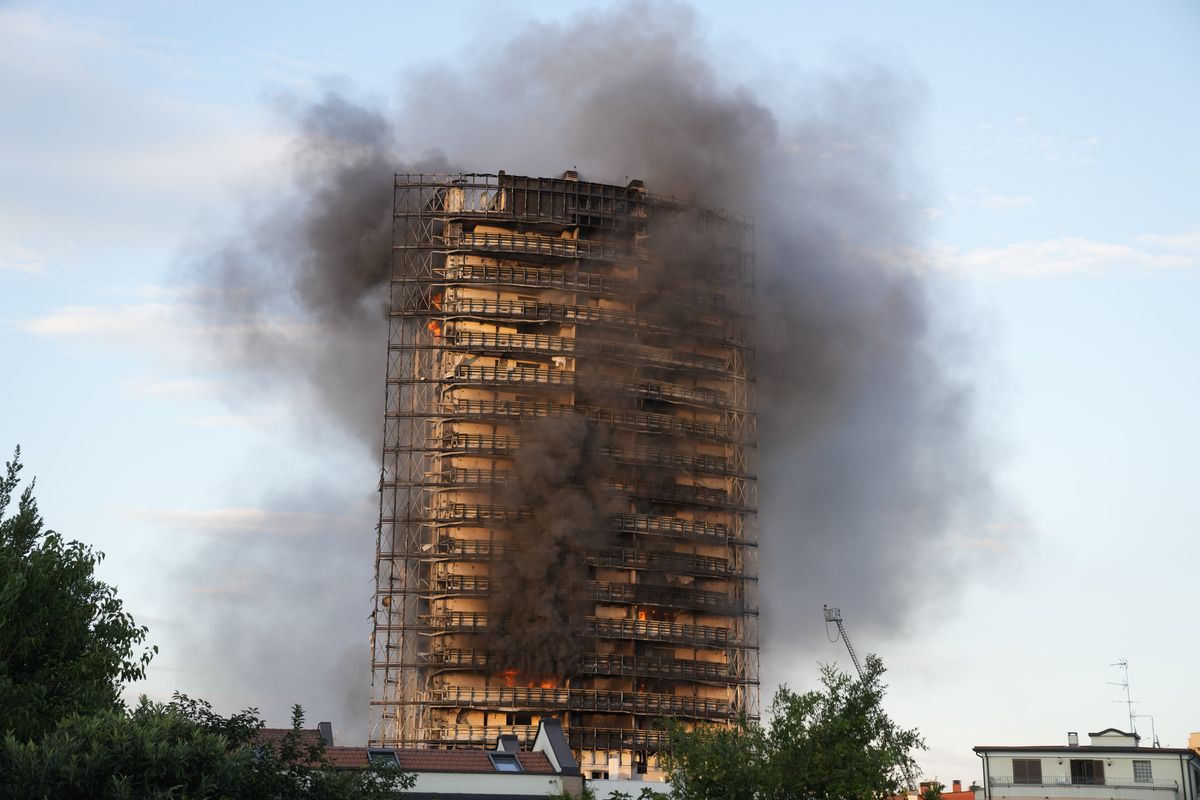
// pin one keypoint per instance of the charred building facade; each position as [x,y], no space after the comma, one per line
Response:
[567,519]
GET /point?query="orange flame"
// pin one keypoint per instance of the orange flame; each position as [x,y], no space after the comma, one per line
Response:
[435,327]
[510,677]
[437,301]
[642,615]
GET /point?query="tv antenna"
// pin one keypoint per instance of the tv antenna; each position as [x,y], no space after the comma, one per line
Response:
[1153,731]
[1123,665]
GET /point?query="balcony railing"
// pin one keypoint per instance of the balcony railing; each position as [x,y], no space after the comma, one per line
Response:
[543,344]
[637,421]
[578,738]
[1067,782]
[458,271]
[719,672]
[559,379]
[564,313]
[644,703]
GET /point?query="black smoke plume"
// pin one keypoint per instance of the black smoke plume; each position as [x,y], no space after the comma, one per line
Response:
[558,474]
[869,471]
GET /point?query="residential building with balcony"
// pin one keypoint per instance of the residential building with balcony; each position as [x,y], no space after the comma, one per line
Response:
[1112,767]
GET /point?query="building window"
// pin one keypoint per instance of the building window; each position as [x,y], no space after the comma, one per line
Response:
[1027,770]
[386,757]
[506,762]
[1142,772]
[1087,772]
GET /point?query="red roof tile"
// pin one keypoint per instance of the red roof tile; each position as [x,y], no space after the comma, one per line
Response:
[471,761]
[347,757]
[309,737]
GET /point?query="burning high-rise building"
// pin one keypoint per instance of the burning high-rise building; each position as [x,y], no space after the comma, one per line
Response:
[567,520]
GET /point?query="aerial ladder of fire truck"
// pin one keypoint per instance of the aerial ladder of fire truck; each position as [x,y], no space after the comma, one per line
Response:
[834,615]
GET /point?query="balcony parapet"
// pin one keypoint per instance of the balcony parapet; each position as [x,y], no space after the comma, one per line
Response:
[1083,784]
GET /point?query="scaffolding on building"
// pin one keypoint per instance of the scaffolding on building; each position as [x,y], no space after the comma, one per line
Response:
[516,299]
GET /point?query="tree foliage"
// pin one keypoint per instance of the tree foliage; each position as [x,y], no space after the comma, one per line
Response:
[67,649]
[833,743]
[66,643]
[180,750]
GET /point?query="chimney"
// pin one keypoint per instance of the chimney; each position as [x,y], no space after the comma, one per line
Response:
[958,786]
[326,731]
[1072,739]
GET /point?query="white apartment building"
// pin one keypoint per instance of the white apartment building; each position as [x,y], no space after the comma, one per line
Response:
[1112,767]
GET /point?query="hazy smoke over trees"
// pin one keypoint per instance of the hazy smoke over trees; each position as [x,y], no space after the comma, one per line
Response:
[868,466]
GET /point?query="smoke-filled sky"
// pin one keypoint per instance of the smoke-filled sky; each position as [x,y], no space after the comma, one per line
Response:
[977,247]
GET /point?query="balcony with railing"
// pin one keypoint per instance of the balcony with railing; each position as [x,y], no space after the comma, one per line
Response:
[578,738]
[606,664]
[522,276]
[545,344]
[621,419]
[568,314]
[642,594]
[1082,787]
[587,384]
[521,698]
[456,549]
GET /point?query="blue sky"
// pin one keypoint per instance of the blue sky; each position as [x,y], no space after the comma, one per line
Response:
[1056,149]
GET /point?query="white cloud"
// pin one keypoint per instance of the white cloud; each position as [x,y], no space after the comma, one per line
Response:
[1186,242]
[17,259]
[93,152]
[143,322]
[1072,255]
[171,323]
[244,521]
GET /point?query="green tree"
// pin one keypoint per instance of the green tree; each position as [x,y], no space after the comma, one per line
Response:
[932,791]
[67,648]
[180,750]
[66,643]
[833,743]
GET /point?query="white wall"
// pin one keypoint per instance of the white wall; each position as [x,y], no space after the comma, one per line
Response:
[491,783]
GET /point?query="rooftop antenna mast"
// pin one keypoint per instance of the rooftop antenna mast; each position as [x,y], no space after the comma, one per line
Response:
[1124,684]
[1153,731]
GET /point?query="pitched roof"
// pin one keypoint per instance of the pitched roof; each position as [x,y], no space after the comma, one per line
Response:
[1083,748]
[468,761]
[347,757]
[309,737]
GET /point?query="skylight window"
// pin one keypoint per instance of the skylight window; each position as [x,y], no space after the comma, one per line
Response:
[506,762]
[386,757]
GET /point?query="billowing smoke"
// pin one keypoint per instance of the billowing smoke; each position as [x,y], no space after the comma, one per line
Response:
[558,470]
[867,464]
